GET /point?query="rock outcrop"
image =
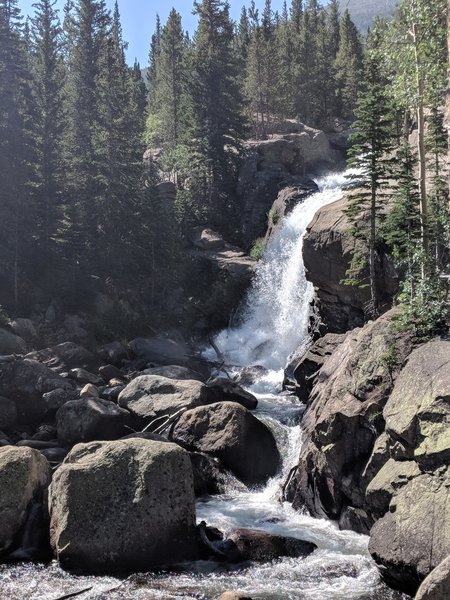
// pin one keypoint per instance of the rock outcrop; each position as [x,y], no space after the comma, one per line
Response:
[222,274]
[231,433]
[280,162]
[377,446]
[24,474]
[327,251]
[344,418]
[123,506]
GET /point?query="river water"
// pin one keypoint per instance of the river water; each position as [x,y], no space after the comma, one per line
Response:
[273,324]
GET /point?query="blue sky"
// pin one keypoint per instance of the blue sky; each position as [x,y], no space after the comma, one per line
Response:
[138,19]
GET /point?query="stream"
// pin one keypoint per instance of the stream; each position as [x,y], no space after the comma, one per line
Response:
[273,324]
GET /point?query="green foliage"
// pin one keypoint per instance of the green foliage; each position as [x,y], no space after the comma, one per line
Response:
[273,217]
[425,306]
[390,359]
[257,251]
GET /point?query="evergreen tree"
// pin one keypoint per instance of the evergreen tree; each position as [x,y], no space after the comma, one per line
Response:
[218,105]
[48,130]
[16,151]
[348,67]
[370,144]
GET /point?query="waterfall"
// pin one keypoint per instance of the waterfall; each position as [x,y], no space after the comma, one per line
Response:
[275,319]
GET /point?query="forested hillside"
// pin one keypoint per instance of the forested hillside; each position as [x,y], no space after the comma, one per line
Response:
[81,214]
[364,12]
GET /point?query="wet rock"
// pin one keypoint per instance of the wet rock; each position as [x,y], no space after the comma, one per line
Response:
[151,396]
[11,344]
[24,474]
[82,376]
[123,506]
[226,390]
[108,372]
[355,519]
[413,537]
[22,381]
[89,391]
[250,375]
[8,413]
[231,433]
[210,476]
[437,585]
[91,419]
[251,544]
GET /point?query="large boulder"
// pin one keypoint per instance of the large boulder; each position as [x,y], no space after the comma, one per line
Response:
[150,396]
[327,252]
[344,418]
[231,433]
[24,474]
[123,506]
[90,419]
[414,536]
[437,585]
[24,382]
[11,343]
[418,411]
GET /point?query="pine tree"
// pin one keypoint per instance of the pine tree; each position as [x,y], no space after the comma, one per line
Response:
[370,144]
[217,102]
[16,152]
[348,67]
[48,130]
[85,140]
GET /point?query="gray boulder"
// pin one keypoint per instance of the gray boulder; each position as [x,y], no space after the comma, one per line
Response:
[231,433]
[437,585]
[24,474]
[91,419]
[151,396]
[414,536]
[11,343]
[417,413]
[123,506]
[23,382]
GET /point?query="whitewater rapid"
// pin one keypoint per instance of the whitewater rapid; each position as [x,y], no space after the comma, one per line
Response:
[273,325]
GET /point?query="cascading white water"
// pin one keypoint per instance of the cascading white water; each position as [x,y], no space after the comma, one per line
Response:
[276,315]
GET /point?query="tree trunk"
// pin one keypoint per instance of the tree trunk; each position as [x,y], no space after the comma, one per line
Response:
[422,156]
